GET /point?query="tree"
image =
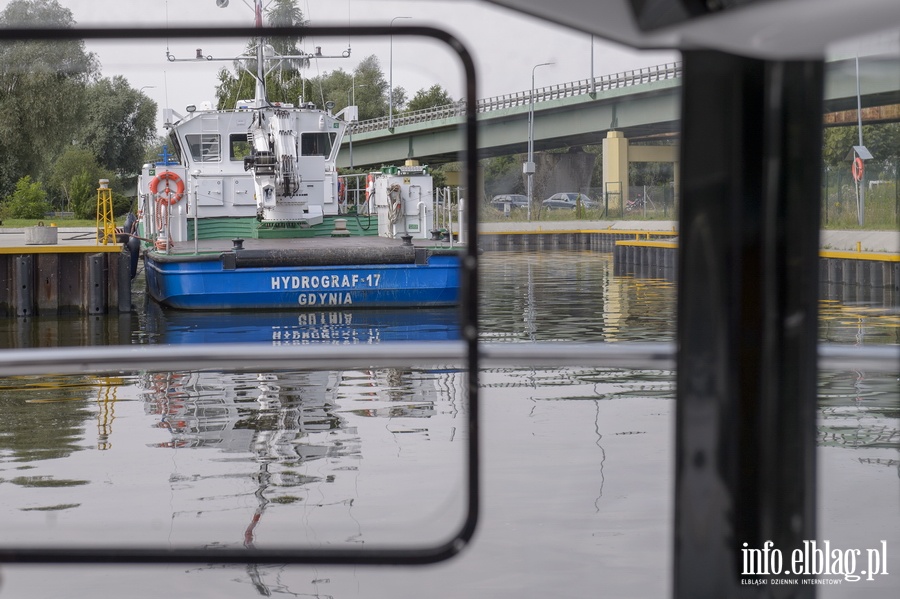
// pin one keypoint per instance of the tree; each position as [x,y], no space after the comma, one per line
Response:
[29,200]
[371,88]
[284,84]
[42,85]
[503,174]
[119,124]
[431,98]
[366,84]
[882,140]
[75,177]
[83,190]
[399,99]
[286,13]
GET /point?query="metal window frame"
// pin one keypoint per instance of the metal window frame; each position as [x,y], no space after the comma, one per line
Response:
[142,358]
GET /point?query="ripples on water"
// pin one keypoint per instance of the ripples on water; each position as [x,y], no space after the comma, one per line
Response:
[352,457]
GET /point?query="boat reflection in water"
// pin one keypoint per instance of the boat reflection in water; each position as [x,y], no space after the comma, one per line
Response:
[286,328]
[311,457]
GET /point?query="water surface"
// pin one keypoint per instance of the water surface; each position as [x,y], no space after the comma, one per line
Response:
[577,461]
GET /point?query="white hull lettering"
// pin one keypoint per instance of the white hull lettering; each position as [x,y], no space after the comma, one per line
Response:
[345,282]
[325,299]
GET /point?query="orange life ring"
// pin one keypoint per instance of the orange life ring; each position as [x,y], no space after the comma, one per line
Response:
[858,168]
[370,186]
[167,196]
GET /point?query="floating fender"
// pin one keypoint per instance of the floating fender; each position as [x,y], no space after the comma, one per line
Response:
[134,247]
[132,243]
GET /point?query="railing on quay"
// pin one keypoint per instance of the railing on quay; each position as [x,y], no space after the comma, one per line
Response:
[670,70]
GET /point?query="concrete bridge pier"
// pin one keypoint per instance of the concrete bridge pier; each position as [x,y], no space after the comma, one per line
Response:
[618,153]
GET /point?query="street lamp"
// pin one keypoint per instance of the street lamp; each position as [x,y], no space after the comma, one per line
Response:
[528,168]
[391,84]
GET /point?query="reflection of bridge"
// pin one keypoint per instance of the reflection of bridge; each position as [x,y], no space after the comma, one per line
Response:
[642,104]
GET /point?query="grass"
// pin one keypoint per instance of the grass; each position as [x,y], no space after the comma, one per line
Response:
[18,223]
[839,212]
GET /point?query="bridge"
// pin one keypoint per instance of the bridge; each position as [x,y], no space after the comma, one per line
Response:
[641,104]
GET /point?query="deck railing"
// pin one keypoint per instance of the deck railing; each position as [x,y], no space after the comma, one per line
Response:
[669,70]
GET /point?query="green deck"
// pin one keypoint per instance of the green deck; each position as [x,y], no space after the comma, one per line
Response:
[250,228]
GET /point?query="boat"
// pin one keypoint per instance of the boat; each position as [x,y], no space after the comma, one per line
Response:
[246,210]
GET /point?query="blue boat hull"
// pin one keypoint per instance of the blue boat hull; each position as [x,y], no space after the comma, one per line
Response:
[210,285]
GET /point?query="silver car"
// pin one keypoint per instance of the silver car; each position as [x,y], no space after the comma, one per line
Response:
[513,200]
[567,200]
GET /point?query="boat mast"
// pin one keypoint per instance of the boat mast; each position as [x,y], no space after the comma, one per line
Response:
[260,96]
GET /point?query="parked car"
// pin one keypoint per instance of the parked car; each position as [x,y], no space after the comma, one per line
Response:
[514,200]
[567,200]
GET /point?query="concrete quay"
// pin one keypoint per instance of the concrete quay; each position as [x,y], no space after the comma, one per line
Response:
[869,241]
[48,271]
[73,274]
[854,265]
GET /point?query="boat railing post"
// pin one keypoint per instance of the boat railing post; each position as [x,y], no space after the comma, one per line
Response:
[168,235]
[196,210]
[438,203]
[423,219]
[446,225]
[460,216]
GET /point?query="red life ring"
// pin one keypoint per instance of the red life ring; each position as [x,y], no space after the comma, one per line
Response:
[370,186]
[858,168]
[167,196]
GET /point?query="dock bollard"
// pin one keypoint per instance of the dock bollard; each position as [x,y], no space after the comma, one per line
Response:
[340,228]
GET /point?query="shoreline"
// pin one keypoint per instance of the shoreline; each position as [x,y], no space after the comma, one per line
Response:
[838,240]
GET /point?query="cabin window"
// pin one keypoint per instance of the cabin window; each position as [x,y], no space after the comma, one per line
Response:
[316,144]
[240,146]
[204,147]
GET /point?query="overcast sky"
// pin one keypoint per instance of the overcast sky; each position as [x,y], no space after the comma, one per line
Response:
[505,44]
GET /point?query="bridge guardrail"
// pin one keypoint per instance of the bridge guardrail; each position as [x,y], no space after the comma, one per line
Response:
[670,70]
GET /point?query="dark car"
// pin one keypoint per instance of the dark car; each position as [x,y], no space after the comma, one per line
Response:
[513,200]
[567,200]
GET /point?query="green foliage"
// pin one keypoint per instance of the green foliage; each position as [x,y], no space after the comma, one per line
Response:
[430,98]
[83,190]
[370,88]
[122,204]
[285,83]
[118,125]
[398,99]
[882,210]
[503,174]
[882,141]
[366,86]
[37,12]
[650,173]
[29,200]
[154,151]
[281,86]
[42,85]
[286,13]
[75,177]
